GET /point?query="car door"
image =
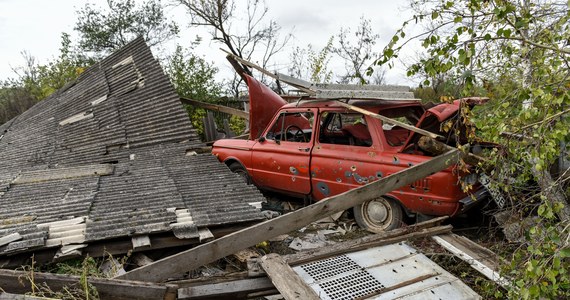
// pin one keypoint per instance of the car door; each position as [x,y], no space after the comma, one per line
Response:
[281,158]
[345,154]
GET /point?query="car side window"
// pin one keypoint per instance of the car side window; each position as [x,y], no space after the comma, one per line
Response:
[291,127]
[344,129]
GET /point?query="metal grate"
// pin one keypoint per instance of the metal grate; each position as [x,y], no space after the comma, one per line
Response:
[330,267]
[342,278]
[351,286]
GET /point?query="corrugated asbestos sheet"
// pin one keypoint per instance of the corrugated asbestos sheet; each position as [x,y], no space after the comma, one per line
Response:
[106,157]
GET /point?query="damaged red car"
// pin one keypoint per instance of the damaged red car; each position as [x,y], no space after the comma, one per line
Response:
[316,148]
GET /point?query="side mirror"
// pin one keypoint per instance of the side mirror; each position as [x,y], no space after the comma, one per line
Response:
[261,139]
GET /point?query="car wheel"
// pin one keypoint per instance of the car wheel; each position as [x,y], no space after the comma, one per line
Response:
[241,171]
[378,215]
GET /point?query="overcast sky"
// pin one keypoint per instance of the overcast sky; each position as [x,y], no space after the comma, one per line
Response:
[36,27]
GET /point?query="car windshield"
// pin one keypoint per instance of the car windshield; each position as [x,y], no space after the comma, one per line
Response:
[291,127]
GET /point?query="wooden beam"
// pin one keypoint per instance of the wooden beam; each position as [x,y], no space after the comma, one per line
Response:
[478,257]
[15,282]
[227,245]
[122,246]
[436,147]
[399,285]
[237,67]
[390,120]
[215,107]
[361,244]
[228,290]
[8,296]
[264,71]
[287,282]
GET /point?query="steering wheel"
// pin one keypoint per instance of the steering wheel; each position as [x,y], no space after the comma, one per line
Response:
[298,135]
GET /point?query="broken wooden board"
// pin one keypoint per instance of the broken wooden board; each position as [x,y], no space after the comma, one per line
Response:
[478,257]
[231,56]
[390,120]
[15,282]
[214,107]
[230,289]
[8,296]
[289,284]
[362,243]
[227,245]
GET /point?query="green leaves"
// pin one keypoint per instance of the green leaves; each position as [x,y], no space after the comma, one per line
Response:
[102,31]
[510,51]
[194,78]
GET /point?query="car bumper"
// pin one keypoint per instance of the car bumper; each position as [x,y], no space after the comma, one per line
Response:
[474,199]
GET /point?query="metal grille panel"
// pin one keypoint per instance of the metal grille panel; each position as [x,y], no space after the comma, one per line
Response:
[351,286]
[330,267]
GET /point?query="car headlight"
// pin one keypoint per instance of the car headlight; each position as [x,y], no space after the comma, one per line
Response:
[470,179]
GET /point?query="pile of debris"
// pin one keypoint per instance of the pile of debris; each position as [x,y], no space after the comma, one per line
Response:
[110,164]
[376,266]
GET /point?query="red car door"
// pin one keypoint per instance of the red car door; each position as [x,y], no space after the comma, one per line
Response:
[346,153]
[281,158]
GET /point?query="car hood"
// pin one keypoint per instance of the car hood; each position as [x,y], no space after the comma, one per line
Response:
[264,103]
[433,117]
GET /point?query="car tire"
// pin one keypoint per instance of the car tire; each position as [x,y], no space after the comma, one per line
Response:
[379,215]
[237,168]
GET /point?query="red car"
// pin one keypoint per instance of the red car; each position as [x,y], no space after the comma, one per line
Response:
[317,148]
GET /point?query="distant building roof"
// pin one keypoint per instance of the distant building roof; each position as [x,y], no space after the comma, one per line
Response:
[106,157]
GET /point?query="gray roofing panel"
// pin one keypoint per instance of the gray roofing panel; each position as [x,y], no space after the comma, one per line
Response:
[124,111]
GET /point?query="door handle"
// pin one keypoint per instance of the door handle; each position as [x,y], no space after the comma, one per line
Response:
[304,149]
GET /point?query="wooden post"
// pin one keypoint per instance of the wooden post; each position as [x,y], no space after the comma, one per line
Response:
[289,284]
[206,253]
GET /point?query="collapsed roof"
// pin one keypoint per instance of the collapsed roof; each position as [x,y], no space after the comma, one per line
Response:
[112,155]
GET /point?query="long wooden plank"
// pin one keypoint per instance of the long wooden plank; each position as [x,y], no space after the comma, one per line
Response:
[264,71]
[206,253]
[479,258]
[287,282]
[15,282]
[8,296]
[390,120]
[215,107]
[228,290]
[361,244]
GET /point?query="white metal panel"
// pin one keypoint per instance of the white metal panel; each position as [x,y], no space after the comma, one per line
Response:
[386,272]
